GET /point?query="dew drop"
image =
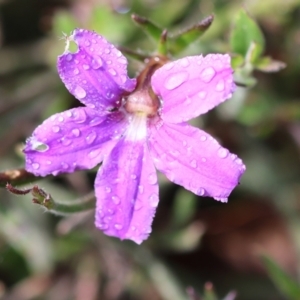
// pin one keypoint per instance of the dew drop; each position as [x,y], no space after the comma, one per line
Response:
[203,159]
[112,72]
[138,205]
[60,119]
[152,178]
[93,153]
[202,94]
[76,132]
[169,66]
[110,211]
[154,200]
[35,166]
[201,191]
[123,78]
[107,189]
[80,116]
[86,67]
[69,57]
[64,165]
[141,189]
[48,162]
[224,200]
[193,164]
[97,63]
[184,62]
[65,141]
[118,226]
[207,74]
[76,71]
[87,43]
[39,146]
[102,226]
[122,60]
[69,114]
[55,128]
[220,86]
[175,80]
[116,200]
[222,152]
[79,92]
[203,138]
[91,137]
[107,51]
[133,176]
[96,121]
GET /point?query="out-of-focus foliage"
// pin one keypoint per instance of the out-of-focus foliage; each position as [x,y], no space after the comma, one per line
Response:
[195,240]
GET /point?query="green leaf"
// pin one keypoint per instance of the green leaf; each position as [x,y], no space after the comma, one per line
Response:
[268,65]
[182,40]
[287,286]
[244,33]
[149,27]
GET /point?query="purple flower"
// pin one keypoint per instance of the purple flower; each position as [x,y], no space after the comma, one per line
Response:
[134,126]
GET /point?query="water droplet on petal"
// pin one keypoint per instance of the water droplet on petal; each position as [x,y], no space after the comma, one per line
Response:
[79,92]
[122,60]
[207,74]
[76,132]
[112,72]
[123,78]
[222,152]
[184,62]
[138,205]
[69,57]
[102,226]
[65,141]
[80,116]
[141,189]
[220,86]
[224,200]
[169,66]
[38,146]
[87,43]
[116,200]
[64,165]
[202,94]
[91,137]
[60,119]
[48,162]
[201,191]
[203,138]
[69,114]
[175,80]
[96,121]
[93,153]
[118,226]
[97,63]
[154,200]
[86,67]
[193,164]
[55,129]
[152,178]
[107,189]
[35,166]
[203,159]
[107,51]
[76,71]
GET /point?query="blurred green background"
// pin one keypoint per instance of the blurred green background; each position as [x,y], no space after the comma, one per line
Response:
[248,249]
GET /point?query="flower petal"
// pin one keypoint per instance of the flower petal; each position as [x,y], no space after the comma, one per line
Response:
[75,139]
[97,73]
[192,158]
[193,85]
[127,192]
